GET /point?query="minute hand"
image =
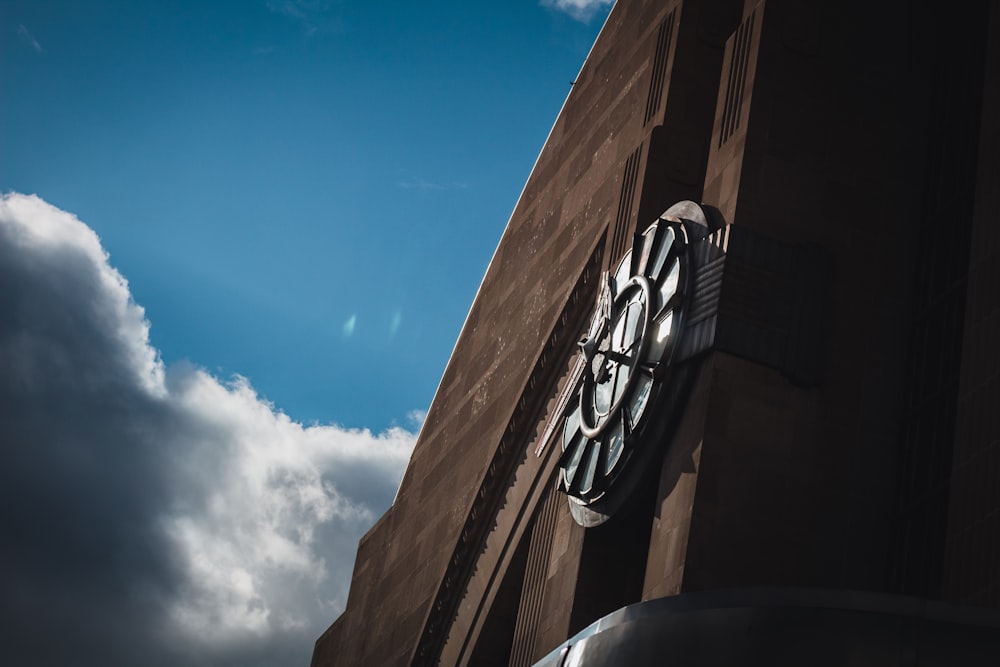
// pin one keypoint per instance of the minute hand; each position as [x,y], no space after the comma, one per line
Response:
[619,357]
[622,357]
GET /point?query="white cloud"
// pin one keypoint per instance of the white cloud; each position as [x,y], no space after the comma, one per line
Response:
[165,512]
[312,15]
[420,184]
[25,35]
[416,418]
[395,323]
[581,10]
[299,8]
[430,186]
[349,325]
[264,487]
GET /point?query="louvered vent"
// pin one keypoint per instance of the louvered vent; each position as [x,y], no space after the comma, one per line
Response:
[733,108]
[656,81]
[529,613]
[622,226]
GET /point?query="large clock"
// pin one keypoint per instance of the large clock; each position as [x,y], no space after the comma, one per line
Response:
[627,391]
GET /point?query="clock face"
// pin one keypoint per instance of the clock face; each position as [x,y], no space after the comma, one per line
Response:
[626,355]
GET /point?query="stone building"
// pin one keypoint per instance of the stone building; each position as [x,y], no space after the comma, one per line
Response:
[771,433]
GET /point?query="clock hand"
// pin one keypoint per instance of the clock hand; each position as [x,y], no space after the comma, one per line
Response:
[620,357]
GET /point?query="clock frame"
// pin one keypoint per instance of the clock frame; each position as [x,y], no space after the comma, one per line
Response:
[628,395]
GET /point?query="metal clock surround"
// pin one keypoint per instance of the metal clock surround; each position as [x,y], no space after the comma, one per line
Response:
[611,434]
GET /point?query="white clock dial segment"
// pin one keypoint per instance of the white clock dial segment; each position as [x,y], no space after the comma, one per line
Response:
[638,401]
[572,454]
[661,241]
[661,337]
[623,273]
[616,447]
[668,285]
[587,473]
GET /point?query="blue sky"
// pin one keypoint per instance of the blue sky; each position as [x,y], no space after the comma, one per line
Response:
[238,241]
[264,173]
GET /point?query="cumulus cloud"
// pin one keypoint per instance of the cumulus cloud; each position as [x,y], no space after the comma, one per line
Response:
[581,10]
[151,514]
